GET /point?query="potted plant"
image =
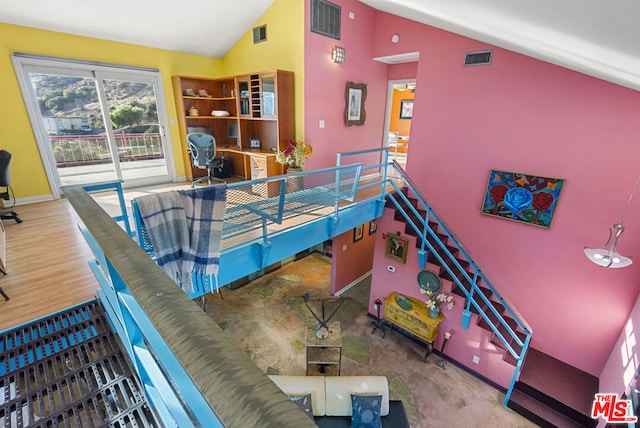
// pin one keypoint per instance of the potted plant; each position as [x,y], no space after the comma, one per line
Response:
[294,154]
[435,300]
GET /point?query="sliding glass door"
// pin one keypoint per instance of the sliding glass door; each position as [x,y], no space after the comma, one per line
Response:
[96,124]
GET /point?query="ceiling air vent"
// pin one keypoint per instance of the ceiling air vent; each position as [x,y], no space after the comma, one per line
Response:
[260,34]
[325,18]
[477,58]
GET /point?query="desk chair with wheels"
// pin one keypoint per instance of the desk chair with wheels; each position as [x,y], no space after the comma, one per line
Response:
[203,154]
[5,181]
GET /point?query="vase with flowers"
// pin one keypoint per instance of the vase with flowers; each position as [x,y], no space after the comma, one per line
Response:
[294,154]
[435,300]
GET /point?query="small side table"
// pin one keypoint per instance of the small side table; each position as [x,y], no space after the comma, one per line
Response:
[324,355]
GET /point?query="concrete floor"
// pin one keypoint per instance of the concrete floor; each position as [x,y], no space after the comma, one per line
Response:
[268,319]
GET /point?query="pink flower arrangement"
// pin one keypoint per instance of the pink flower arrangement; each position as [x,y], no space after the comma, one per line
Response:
[435,300]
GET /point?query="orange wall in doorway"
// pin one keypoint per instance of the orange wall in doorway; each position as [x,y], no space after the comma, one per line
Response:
[402,126]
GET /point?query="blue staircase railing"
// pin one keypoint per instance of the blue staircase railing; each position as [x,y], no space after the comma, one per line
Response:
[427,226]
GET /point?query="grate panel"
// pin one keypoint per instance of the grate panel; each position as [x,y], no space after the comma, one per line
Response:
[69,371]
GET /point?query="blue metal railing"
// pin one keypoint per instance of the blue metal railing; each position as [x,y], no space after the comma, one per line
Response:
[334,192]
[427,226]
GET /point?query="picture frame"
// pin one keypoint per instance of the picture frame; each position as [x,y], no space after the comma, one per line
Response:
[406,109]
[355,96]
[396,247]
[358,233]
[524,198]
[372,227]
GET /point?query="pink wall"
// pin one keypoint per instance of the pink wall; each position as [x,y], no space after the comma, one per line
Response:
[521,114]
[325,84]
[351,259]
[518,114]
[624,360]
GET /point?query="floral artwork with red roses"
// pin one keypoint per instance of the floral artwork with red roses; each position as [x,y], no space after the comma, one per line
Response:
[521,197]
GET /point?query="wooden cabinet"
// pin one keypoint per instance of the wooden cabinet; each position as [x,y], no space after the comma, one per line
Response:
[412,316]
[237,110]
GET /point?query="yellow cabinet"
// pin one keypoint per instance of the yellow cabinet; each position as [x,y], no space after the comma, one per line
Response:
[412,316]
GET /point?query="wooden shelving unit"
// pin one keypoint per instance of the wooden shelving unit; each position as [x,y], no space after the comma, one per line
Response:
[260,107]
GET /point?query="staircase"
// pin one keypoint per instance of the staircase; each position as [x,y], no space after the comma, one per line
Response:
[548,391]
[68,370]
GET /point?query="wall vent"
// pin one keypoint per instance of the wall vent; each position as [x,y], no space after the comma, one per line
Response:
[325,18]
[260,34]
[478,58]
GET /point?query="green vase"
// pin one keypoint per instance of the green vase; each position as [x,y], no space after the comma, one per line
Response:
[433,313]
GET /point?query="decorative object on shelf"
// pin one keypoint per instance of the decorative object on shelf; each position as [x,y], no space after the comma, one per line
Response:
[358,233]
[435,300]
[373,226]
[429,281]
[607,256]
[294,154]
[354,112]
[403,302]
[406,109]
[396,247]
[219,113]
[254,143]
[193,111]
[189,92]
[338,54]
[440,362]
[203,93]
[527,198]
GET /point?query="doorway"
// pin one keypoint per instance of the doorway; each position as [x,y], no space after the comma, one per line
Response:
[95,123]
[400,98]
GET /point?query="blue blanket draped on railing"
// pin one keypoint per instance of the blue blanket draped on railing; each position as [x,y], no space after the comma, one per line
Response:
[185,229]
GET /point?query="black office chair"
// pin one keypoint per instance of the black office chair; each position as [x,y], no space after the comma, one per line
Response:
[5,181]
[203,154]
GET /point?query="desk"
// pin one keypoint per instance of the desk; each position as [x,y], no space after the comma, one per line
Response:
[251,163]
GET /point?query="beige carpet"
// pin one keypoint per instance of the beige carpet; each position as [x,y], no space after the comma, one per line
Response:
[268,319]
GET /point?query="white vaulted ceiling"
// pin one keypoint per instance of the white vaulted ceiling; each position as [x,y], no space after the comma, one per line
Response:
[596,37]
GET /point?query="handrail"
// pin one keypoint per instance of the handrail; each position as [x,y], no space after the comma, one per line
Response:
[259,203]
[430,239]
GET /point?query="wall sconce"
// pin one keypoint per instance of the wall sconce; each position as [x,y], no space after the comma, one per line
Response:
[338,54]
[607,256]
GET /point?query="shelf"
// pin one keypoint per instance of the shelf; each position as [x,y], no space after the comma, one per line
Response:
[211,117]
[209,98]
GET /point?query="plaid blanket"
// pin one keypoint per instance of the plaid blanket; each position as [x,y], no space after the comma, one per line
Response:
[185,229]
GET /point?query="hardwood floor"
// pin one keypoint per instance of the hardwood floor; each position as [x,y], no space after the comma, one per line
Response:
[46,264]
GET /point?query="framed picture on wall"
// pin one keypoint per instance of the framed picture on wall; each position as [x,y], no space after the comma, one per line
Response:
[406,109]
[372,227]
[354,113]
[524,198]
[358,233]
[396,248]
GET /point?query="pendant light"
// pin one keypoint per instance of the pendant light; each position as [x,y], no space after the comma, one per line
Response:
[607,256]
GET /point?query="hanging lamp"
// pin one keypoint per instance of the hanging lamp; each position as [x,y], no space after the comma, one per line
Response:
[607,256]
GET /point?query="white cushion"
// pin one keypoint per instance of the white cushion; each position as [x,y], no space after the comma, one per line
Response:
[338,390]
[303,385]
